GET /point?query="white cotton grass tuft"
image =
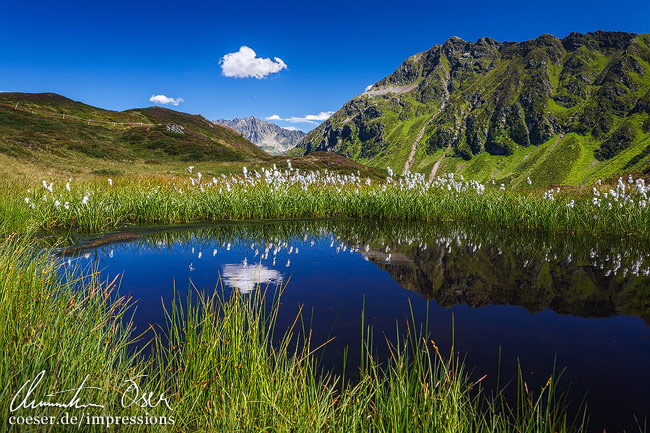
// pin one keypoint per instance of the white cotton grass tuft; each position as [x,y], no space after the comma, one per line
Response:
[348,189]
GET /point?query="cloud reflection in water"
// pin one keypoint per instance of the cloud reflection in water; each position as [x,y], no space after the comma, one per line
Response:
[244,278]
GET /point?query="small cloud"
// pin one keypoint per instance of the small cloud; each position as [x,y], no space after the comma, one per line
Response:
[165,100]
[245,63]
[311,118]
[290,128]
[314,119]
[368,87]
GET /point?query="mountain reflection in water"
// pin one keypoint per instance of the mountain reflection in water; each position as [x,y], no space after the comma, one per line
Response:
[586,300]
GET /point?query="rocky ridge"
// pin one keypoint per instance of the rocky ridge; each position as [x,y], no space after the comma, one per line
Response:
[268,136]
[584,100]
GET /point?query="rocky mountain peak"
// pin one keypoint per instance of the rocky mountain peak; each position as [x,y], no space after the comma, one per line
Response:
[460,99]
[268,136]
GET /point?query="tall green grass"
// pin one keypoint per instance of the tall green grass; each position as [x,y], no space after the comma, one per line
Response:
[151,201]
[67,330]
[219,354]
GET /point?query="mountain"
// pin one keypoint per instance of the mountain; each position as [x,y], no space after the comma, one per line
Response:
[555,110]
[268,136]
[32,123]
[49,133]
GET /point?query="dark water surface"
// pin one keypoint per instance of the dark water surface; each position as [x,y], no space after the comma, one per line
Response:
[581,303]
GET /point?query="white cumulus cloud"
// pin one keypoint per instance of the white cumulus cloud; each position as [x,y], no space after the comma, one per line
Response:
[165,100]
[290,128]
[273,117]
[245,63]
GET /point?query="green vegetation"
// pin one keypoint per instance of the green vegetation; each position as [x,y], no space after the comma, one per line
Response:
[492,104]
[35,137]
[65,329]
[35,123]
[216,360]
[274,194]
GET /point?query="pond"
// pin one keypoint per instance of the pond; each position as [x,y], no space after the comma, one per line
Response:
[503,297]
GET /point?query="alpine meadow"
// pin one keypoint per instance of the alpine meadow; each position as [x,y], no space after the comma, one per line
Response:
[462,247]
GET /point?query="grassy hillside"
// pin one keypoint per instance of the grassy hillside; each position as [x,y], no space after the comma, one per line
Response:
[38,124]
[560,111]
[50,135]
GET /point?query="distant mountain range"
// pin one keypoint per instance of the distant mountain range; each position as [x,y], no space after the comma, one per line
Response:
[268,136]
[555,110]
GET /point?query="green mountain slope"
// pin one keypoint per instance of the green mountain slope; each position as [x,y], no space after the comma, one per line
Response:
[560,111]
[49,134]
[33,124]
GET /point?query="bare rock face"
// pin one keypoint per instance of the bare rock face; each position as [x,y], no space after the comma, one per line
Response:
[268,136]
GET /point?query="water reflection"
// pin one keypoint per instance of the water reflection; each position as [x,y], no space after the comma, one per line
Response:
[451,264]
[580,302]
[245,278]
[588,279]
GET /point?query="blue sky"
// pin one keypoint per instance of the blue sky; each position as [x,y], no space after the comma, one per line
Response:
[116,55]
